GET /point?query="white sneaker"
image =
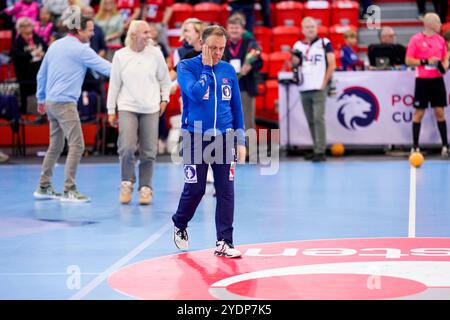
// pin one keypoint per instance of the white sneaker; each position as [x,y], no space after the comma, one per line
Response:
[161,147]
[3,157]
[145,195]
[227,250]
[444,152]
[74,196]
[181,239]
[126,192]
[413,150]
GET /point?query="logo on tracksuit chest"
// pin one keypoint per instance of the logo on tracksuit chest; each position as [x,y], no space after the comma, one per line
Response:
[226,92]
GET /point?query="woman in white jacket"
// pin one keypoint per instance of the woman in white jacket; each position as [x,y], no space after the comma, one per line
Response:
[139,86]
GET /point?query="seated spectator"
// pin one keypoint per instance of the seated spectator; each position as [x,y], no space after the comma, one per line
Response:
[129,9]
[111,22]
[56,8]
[349,59]
[24,8]
[388,54]
[154,34]
[159,12]
[97,41]
[27,53]
[247,7]
[44,27]
[93,80]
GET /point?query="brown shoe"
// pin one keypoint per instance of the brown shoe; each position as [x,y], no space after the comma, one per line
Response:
[145,195]
[126,192]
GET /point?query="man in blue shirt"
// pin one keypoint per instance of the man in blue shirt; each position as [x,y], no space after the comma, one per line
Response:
[212,118]
[59,83]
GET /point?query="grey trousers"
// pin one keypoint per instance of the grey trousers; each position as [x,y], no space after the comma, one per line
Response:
[64,123]
[138,130]
[248,107]
[314,107]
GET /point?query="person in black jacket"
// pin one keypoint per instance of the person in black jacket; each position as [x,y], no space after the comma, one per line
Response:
[244,55]
[27,53]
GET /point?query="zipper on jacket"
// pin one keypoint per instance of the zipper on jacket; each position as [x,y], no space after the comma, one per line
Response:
[215,101]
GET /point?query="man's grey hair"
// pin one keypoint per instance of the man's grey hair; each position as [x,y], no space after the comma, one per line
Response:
[214,30]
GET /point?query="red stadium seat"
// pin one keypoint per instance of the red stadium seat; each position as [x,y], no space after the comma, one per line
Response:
[7,72]
[173,35]
[278,61]
[323,32]
[259,99]
[224,14]
[445,27]
[336,35]
[271,98]
[180,12]
[337,54]
[345,12]
[208,12]
[289,13]
[319,10]
[5,40]
[285,37]
[263,36]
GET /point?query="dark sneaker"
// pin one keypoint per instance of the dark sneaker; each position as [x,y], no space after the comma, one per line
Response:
[181,239]
[227,250]
[74,196]
[309,156]
[319,157]
[45,193]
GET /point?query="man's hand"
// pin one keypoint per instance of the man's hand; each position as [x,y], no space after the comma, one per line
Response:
[112,120]
[245,69]
[41,108]
[433,60]
[241,153]
[163,106]
[295,60]
[206,56]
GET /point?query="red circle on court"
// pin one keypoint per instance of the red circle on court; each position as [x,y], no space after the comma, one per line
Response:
[379,268]
[327,287]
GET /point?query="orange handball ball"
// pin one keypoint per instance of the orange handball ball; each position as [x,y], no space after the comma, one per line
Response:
[416,159]
[337,149]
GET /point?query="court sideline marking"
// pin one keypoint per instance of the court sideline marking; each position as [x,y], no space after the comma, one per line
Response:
[120,263]
[412,203]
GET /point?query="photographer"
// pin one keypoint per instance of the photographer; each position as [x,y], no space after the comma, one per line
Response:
[314,58]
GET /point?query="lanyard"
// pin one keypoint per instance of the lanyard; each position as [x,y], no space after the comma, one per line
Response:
[234,52]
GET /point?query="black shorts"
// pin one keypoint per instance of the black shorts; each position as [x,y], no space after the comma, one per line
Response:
[430,91]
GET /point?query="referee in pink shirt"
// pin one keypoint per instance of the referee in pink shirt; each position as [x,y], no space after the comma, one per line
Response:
[427,51]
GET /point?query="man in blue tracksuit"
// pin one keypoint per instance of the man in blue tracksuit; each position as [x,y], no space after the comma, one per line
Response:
[212,120]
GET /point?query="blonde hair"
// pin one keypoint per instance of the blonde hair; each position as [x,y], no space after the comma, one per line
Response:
[309,19]
[132,29]
[101,10]
[349,34]
[198,24]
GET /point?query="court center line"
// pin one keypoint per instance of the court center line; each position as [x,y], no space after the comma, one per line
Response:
[412,203]
[120,263]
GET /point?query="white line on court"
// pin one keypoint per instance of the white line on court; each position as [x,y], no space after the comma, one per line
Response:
[412,203]
[120,263]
